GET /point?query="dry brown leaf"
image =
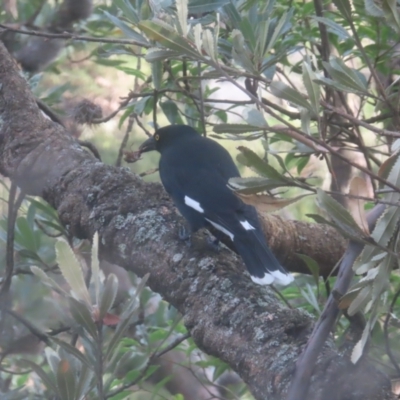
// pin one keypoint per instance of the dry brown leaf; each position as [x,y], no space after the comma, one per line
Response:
[266,203]
[358,187]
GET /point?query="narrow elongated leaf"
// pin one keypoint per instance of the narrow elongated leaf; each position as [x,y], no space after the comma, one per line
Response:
[182,13]
[313,89]
[127,317]
[372,9]
[198,7]
[283,91]
[344,7]
[82,316]
[46,379]
[160,54]
[53,359]
[256,184]
[51,283]
[260,165]
[85,378]
[359,347]
[108,296]
[72,271]
[282,26]
[266,203]
[157,71]
[391,13]
[128,31]
[346,76]
[358,187]
[362,298]
[340,216]
[128,10]
[169,39]
[66,380]
[255,117]
[95,265]
[333,27]
[73,351]
[208,43]
[235,128]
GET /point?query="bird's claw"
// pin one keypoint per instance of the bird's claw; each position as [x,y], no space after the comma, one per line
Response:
[185,235]
[213,243]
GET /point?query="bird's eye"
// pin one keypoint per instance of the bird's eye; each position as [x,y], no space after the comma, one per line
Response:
[157,137]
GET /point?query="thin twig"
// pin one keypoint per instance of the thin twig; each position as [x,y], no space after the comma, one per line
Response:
[124,141]
[73,37]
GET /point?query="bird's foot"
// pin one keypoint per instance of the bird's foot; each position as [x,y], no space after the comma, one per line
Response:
[185,235]
[213,243]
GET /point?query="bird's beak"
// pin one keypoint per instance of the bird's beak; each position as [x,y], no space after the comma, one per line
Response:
[148,145]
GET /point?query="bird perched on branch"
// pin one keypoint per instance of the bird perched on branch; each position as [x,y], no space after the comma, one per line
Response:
[195,171]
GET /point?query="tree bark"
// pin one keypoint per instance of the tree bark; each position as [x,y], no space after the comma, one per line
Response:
[227,315]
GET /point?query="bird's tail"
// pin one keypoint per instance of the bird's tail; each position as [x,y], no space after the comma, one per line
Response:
[262,265]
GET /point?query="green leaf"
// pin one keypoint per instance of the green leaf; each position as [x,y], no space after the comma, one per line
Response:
[82,316]
[313,89]
[160,54]
[255,117]
[133,71]
[46,280]
[169,39]
[333,27]
[97,275]
[362,298]
[128,31]
[127,317]
[282,26]
[72,272]
[240,52]
[85,378]
[235,128]
[372,9]
[198,7]
[256,184]
[344,7]
[341,218]
[182,13]
[209,43]
[129,12]
[261,166]
[66,380]
[283,91]
[346,76]
[46,379]
[73,351]
[171,111]
[312,265]
[359,347]
[157,71]
[391,13]
[108,296]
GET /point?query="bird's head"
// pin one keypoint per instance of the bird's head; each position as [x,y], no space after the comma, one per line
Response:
[167,136]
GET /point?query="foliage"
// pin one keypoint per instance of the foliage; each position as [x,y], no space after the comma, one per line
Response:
[311,84]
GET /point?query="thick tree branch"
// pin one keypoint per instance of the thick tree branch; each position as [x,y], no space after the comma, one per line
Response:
[226,314]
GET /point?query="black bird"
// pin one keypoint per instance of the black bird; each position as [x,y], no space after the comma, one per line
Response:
[195,171]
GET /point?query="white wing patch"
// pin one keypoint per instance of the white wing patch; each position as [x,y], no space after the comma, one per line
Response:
[221,228]
[246,225]
[193,204]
